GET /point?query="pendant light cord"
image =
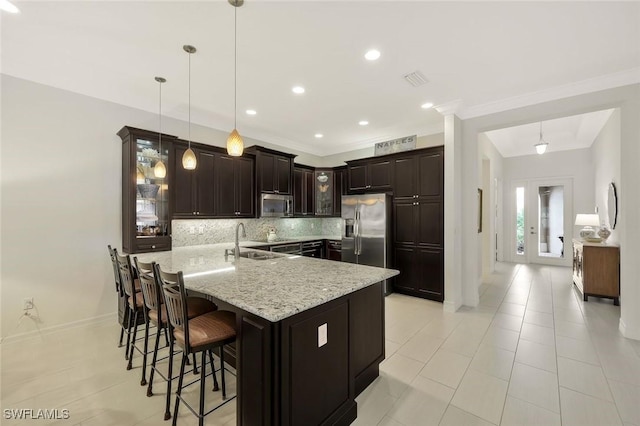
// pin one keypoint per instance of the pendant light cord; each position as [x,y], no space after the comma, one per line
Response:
[160,121]
[235,68]
[189,100]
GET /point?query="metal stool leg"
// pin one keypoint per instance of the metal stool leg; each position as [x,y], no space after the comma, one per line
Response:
[224,389]
[167,413]
[143,381]
[178,391]
[213,369]
[153,363]
[203,368]
[133,342]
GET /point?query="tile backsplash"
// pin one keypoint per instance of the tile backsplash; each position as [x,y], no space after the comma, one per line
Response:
[190,232]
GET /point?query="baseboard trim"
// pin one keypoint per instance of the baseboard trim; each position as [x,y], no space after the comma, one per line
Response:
[622,327]
[60,327]
[449,306]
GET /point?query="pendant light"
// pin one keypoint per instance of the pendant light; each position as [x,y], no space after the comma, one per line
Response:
[189,161]
[160,170]
[235,145]
[541,146]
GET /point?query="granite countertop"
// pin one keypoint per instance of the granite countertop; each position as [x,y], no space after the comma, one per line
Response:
[273,289]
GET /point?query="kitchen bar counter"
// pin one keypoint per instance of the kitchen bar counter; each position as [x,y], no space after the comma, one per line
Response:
[272,289]
[310,332]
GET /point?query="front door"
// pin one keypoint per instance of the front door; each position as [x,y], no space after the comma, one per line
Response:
[543,213]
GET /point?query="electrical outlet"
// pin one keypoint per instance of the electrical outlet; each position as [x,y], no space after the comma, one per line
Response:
[192,230]
[292,225]
[338,225]
[201,230]
[322,335]
[27,303]
[313,225]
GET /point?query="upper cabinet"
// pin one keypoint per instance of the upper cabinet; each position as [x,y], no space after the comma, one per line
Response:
[193,194]
[146,224]
[339,188]
[303,190]
[419,175]
[234,186]
[274,170]
[371,174]
[324,188]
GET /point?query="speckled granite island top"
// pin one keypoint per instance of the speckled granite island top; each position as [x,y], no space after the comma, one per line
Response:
[273,289]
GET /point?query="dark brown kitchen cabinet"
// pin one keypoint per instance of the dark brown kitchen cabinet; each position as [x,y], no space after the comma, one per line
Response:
[334,250]
[419,223]
[419,175]
[370,175]
[274,170]
[146,224]
[303,191]
[339,188]
[234,186]
[193,194]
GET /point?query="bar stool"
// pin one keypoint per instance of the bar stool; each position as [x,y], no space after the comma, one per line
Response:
[156,313]
[200,334]
[121,300]
[123,269]
[135,302]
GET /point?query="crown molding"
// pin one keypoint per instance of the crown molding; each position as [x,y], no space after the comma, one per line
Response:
[609,81]
[451,107]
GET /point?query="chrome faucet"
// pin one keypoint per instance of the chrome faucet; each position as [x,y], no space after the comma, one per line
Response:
[236,250]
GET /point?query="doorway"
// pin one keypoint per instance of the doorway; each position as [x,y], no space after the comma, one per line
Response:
[542,215]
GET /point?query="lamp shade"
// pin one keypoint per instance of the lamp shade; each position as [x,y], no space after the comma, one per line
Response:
[587,220]
[235,145]
[541,147]
[189,160]
[160,170]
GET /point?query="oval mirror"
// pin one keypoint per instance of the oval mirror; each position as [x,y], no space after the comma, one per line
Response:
[612,205]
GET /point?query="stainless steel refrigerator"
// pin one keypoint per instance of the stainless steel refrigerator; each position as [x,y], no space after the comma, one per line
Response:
[366,230]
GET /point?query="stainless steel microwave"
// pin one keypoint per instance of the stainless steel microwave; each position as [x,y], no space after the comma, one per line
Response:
[276,205]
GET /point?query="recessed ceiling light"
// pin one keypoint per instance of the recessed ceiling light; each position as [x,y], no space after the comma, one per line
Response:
[7,6]
[298,90]
[372,55]
[251,112]
[318,135]
[426,105]
[363,122]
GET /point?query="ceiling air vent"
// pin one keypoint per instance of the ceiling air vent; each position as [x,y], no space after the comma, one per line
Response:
[416,78]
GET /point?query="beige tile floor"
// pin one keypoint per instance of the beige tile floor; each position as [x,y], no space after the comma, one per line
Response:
[532,353]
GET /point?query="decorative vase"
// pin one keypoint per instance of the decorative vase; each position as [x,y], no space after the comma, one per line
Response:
[272,236]
[604,233]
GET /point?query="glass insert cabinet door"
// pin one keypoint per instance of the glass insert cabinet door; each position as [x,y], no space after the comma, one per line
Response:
[152,197]
[324,188]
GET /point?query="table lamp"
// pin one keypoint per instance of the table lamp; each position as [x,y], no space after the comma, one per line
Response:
[587,221]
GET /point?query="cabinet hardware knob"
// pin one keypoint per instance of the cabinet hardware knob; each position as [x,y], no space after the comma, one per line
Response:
[153,247]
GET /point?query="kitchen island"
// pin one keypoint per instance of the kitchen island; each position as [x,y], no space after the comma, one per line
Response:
[310,332]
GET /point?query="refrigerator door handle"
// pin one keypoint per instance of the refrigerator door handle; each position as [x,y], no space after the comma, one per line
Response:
[358,237]
[356,229]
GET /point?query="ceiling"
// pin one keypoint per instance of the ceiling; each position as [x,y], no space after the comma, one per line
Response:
[562,134]
[479,57]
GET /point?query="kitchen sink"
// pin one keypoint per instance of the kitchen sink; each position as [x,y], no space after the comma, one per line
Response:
[255,255]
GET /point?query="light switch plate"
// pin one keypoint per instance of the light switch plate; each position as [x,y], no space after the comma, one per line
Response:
[201,230]
[322,335]
[192,230]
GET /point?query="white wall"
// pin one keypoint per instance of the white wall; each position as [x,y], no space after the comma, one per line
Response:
[606,167]
[493,197]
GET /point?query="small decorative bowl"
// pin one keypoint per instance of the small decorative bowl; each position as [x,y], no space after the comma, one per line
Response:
[148,190]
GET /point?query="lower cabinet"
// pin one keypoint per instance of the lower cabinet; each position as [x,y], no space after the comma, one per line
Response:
[421,272]
[334,250]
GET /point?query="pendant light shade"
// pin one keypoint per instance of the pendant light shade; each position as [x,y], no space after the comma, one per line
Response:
[160,170]
[235,144]
[189,160]
[541,146]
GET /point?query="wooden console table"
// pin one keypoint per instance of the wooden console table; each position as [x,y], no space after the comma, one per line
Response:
[596,269]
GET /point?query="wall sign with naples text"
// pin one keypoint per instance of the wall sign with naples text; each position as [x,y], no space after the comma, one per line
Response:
[397,145]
